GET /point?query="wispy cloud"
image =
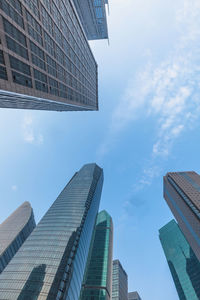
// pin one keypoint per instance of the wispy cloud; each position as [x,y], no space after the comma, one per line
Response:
[169,92]
[30,134]
[14,187]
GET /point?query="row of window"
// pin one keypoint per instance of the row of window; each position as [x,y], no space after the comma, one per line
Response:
[11,12]
[14,32]
[38,57]
[65,19]
[18,44]
[36,32]
[24,68]
[11,30]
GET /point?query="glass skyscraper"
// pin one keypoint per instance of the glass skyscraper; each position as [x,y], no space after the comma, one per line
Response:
[183,264]
[50,265]
[92,14]
[119,282]
[14,231]
[45,60]
[133,296]
[97,283]
[182,194]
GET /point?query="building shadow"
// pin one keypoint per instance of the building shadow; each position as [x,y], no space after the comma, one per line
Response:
[34,284]
[193,271]
[177,281]
[61,268]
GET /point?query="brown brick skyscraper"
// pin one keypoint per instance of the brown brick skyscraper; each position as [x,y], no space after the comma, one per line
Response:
[182,193]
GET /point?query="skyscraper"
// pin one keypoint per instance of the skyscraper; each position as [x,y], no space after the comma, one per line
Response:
[182,193]
[51,263]
[133,296]
[45,60]
[93,17]
[119,282]
[14,231]
[183,264]
[97,283]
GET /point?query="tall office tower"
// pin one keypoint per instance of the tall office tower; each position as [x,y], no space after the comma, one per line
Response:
[14,231]
[183,264]
[182,193]
[45,60]
[133,296]
[93,18]
[97,283]
[50,265]
[119,282]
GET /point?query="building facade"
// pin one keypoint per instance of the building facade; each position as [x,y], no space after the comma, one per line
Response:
[93,18]
[45,60]
[97,283]
[119,282]
[14,231]
[50,265]
[134,296]
[183,263]
[182,194]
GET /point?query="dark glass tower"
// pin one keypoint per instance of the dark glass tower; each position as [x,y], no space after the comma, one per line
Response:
[93,18]
[97,280]
[50,265]
[14,231]
[45,60]
[183,264]
[182,194]
[119,282]
[133,296]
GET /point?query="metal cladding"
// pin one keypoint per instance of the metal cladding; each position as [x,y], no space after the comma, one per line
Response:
[14,231]
[51,263]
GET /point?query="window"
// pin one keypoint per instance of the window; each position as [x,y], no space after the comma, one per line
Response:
[3,73]
[11,12]
[17,5]
[34,28]
[41,86]
[19,65]
[38,62]
[21,79]
[2,58]
[33,4]
[16,47]
[14,32]
[35,49]
[40,76]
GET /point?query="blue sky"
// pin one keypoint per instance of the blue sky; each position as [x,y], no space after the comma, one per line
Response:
[148,124]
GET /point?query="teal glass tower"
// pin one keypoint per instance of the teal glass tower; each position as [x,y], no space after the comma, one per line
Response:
[14,231]
[50,264]
[183,264]
[98,275]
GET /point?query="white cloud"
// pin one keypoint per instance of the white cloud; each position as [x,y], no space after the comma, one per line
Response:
[29,132]
[169,92]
